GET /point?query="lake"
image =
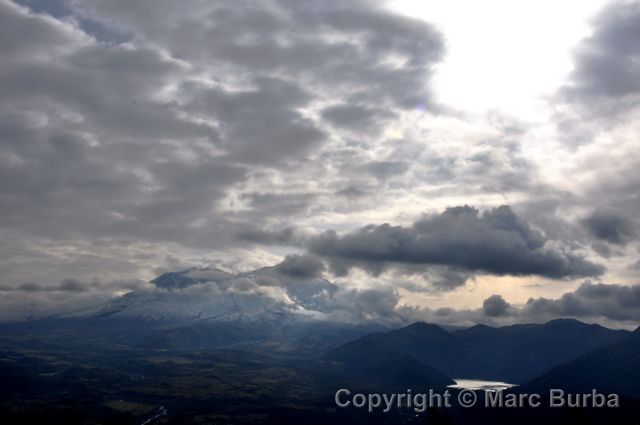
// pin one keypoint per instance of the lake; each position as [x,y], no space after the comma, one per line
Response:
[477,384]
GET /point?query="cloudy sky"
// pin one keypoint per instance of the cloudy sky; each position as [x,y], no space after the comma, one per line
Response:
[467,159]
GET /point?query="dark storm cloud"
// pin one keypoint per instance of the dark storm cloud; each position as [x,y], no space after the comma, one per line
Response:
[378,305]
[448,279]
[611,226]
[302,266]
[496,241]
[615,302]
[606,78]
[434,279]
[495,306]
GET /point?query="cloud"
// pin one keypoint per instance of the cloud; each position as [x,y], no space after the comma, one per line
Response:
[379,305]
[496,241]
[608,304]
[301,266]
[355,117]
[611,305]
[495,306]
[153,135]
[73,285]
[606,77]
[279,204]
[287,236]
[153,128]
[248,116]
[294,285]
[614,302]
[611,226]
[385,169]
[365,52]
[447,279]
[33,300]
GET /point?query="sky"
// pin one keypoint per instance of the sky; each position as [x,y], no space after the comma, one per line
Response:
[453,161]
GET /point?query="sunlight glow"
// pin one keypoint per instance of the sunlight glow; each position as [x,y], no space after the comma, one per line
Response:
[503,55]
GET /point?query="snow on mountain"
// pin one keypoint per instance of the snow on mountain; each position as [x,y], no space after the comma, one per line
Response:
[214,295]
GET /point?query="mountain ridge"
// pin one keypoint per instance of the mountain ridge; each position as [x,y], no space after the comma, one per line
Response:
[515,353]
[614,368]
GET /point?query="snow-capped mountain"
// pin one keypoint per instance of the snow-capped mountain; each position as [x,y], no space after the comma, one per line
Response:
[217,296]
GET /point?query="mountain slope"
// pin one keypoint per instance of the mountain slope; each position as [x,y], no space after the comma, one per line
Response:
[519,353]
[513,353]
[385,370]
[427,343]
[263,295]
[615,368]
[202,308]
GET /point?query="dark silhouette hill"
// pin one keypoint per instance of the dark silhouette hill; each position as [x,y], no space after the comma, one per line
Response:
[615,369]
[514,354]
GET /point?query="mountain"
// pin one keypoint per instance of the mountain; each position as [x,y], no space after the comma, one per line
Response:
[424,342]
[383,370]
[513,354]
[272,312]
[615,369]
[205,308]
[179,306]
[216,345]
[375,359]
[519,353]
[263,295]
[188,277]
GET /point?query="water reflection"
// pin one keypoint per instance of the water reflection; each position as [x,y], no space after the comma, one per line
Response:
[477,384]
